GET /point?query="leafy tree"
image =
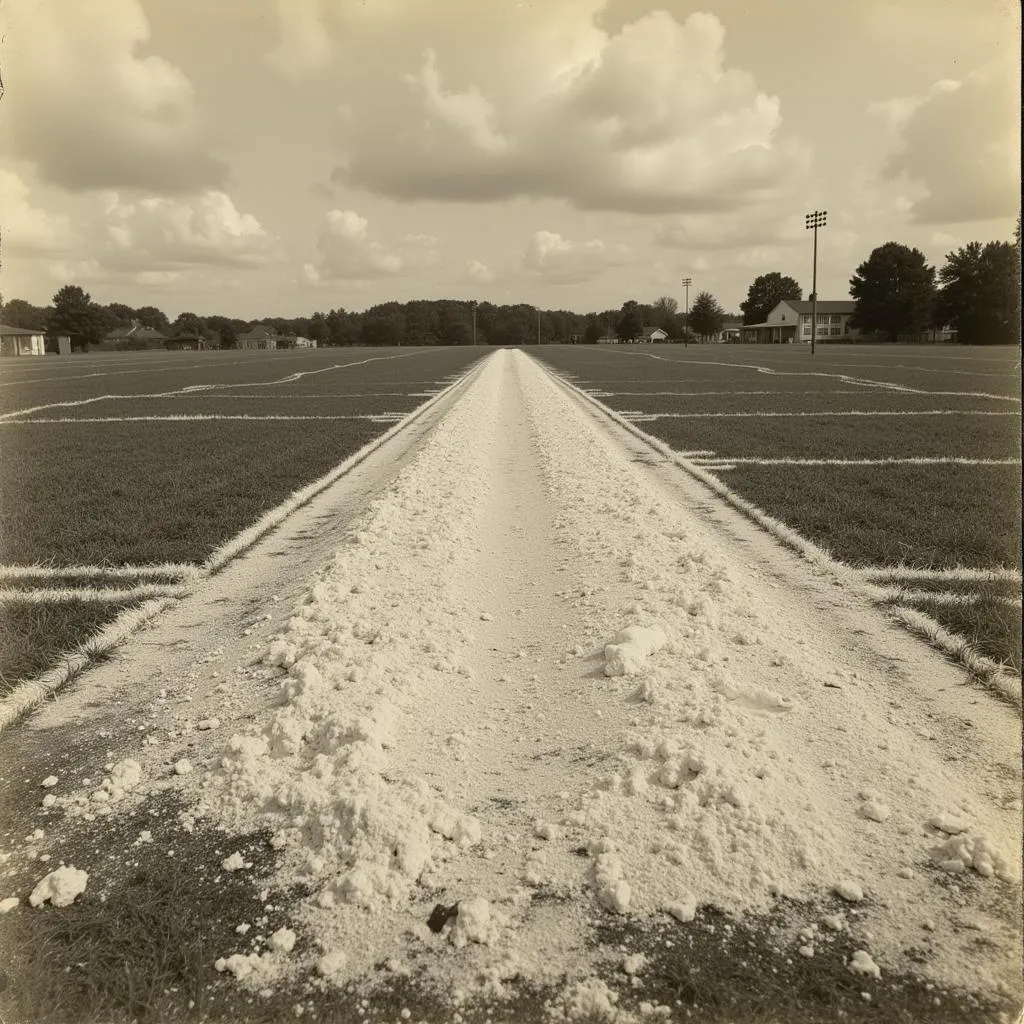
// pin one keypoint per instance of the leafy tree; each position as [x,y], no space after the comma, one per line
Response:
[630,322]
[190,323]
[765,293]
[19,313]
[706,315]
[980,293]
[150,316]
[592,333]
[894,290]
[665,314]
[119,314]
[76,315]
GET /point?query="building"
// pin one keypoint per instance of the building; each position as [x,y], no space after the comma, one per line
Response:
[136,336]
[259,337]
[19,341]
[653,334]
[790,321]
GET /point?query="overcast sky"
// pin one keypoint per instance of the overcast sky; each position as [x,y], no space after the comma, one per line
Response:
[253,157]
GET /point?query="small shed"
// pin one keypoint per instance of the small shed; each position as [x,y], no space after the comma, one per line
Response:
[21,341]
[185,343]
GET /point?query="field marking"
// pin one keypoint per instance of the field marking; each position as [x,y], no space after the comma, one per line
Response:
[959,574]
[900,595]
[599,392]
[94,595]
[382,417]
[639,416]
[846,378]
[193,389]
[177,570]
[913,460]
[991,673]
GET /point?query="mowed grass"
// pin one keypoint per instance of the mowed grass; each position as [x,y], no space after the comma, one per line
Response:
[37,636]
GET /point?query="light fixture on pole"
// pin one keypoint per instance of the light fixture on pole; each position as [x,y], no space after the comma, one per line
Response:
[813,221]
[686,282]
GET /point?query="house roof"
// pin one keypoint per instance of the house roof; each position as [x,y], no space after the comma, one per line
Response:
[259,331]
[138,332]
[7,330]
[824,305]
[649,329]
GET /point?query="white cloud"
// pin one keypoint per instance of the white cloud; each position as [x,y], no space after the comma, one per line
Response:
[478,271]
[151,278]
[305,45]
[348,251]
[165,233]
[542,102]
[29,229]
[560,260]
[755,227]
[960,143]
[91,112]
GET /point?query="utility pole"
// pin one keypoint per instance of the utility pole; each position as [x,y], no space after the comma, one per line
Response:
[686,282]
[538,325]
[813,221]
[473,307]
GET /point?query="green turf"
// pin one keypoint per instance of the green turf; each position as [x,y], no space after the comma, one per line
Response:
[35,637]
[922,516]
[131,493]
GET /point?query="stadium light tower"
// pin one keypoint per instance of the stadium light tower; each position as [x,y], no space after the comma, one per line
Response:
[813,221]
[686,282]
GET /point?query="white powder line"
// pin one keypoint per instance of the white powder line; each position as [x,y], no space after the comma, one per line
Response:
[899,595]
[179,570]
[383,417]
[960,574]
[640,416]
[944,460]
[93,595]
[960,649]
[194,389]
[845,378]
[30,694]
[598,392]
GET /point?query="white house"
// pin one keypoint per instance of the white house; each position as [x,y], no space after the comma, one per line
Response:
[790,321]
[17,341]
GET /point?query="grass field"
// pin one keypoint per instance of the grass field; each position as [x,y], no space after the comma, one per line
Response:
[906,457]
[135,460]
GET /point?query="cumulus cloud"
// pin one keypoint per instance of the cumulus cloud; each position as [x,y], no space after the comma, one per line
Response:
[563,261]
[29,229]
[538,100]
[729,231]
[478,271]
[164,233]
[91,112]
[349,251]
[961,142]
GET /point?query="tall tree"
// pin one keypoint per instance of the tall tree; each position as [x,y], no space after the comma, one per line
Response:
[665,314]
[706,315]
[630,322]
[76,315]
[191,323]
[980,293]
[765,293]
[19,313]
[150,316]
[895,291]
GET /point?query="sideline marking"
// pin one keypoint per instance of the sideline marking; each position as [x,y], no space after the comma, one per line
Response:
[382,417]
[638,416]
[94,595]
[177,570]
[707,461]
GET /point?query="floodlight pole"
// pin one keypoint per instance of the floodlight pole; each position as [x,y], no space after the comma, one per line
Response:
[813,221]
[538,325]
[472,306]
[686,282]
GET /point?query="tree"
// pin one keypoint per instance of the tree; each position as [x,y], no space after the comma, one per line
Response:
[894,290]
[980,293]
[190,324]
[665,314]
[76,315]
[150,316]
[765,293]
[592,333]
[706,315]
[19,313]
[630,322]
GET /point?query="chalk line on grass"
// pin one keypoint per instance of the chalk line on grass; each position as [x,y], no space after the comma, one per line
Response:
[985,669]
[177,570]
[383,417]
[901,595]
[910,460]
[957,574]
[640,416]
[94,595]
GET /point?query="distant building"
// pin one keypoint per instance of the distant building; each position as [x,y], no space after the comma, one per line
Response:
[652,334]
[259,337]
[137,336]
[20,341]
[790,321]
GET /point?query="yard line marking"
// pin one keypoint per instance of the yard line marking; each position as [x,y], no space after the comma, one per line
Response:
[897,595]
[960,573]
[193,389]
[638,416]
[178,570]
[944,460]
[93,595]
[599,393]
[991,673]
[380,417]
[846,378]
